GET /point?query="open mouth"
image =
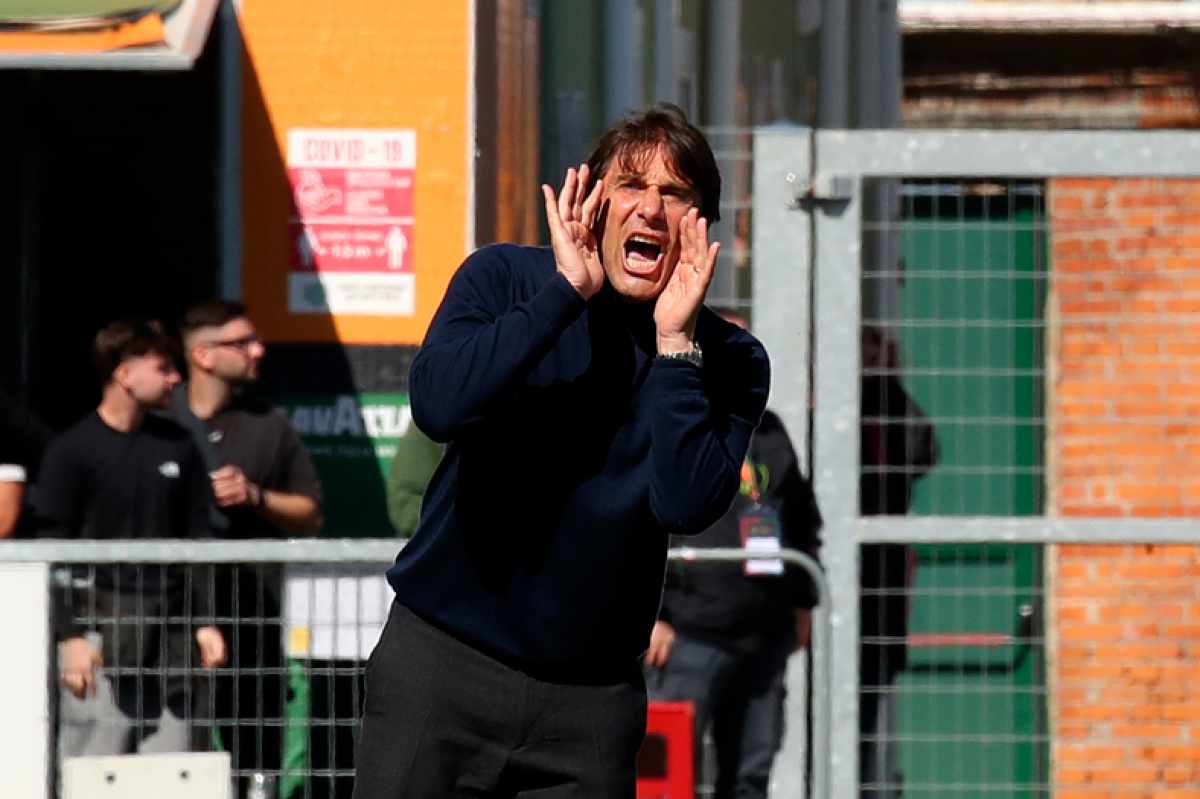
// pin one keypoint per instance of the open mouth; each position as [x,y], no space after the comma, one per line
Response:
[643,254]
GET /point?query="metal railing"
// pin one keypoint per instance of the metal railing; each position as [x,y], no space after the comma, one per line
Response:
[287,700]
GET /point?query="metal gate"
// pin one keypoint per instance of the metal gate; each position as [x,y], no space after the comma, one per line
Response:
[1020,289]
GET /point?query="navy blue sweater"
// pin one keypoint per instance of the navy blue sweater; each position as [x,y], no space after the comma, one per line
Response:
[573,455]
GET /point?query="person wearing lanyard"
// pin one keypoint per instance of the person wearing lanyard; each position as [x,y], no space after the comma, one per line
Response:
[726,630]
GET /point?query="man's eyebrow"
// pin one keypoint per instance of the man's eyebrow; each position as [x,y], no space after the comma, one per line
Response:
[675,184]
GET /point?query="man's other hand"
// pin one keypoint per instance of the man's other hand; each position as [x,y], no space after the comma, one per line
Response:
[662,638]
[80,659]
[212,647]
[676,309]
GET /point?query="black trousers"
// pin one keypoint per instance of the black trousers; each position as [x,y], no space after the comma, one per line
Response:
[444,720]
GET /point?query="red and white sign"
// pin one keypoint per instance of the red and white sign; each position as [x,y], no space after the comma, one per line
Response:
[352,221]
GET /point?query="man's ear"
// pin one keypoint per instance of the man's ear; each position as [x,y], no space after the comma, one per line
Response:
[198,354]
[120,375]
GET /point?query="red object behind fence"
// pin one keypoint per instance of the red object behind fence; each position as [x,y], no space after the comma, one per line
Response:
[665,764]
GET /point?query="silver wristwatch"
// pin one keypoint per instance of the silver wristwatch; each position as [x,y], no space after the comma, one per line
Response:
[693,356]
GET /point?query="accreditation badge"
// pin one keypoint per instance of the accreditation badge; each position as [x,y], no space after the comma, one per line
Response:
[760,529]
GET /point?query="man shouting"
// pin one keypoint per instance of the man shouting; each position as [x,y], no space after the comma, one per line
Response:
[591,407]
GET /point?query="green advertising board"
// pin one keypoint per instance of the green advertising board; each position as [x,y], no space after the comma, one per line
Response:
[352,440]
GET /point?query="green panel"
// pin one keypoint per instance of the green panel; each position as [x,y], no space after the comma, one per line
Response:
[970,719]
[352,439]
[972,304]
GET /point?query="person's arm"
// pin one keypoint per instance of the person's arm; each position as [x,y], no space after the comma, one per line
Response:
[479,348]
[23,438]
[198,523]
[799,518]
[12,494]
[59,503]
[417,456]
[704,414]
[697,444]
[295,513]
[480,345]
[292,502]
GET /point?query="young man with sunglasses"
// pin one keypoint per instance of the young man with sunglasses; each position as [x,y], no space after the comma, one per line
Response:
[264,485]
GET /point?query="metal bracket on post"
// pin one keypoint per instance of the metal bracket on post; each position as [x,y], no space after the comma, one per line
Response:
[820,190]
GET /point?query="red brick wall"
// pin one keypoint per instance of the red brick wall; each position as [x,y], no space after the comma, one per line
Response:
[1124,441]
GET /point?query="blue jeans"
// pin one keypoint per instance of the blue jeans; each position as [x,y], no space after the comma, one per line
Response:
[741,695]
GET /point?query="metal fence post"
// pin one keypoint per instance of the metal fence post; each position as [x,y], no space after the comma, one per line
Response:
[835,472]
[782,249]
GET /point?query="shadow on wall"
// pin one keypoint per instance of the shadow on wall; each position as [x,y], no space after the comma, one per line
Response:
[348,401]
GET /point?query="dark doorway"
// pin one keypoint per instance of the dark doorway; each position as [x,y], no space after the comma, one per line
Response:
[108,190]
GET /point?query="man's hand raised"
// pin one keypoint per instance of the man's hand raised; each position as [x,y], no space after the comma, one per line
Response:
[676,309]
[570,217]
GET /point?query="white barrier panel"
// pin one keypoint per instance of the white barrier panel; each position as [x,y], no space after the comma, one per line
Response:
[185,775]
[25,722]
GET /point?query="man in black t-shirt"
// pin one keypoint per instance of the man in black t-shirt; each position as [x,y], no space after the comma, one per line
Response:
[264,485]
[121,473]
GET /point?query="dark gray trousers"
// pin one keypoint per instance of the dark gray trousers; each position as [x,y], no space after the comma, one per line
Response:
[445,720]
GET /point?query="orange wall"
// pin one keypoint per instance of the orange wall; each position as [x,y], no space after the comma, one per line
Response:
[354,64]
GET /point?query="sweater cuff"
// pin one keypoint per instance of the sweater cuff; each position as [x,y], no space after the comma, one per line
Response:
[558,303]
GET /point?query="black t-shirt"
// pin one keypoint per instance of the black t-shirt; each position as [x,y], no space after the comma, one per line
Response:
[100,483]
[97,482]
